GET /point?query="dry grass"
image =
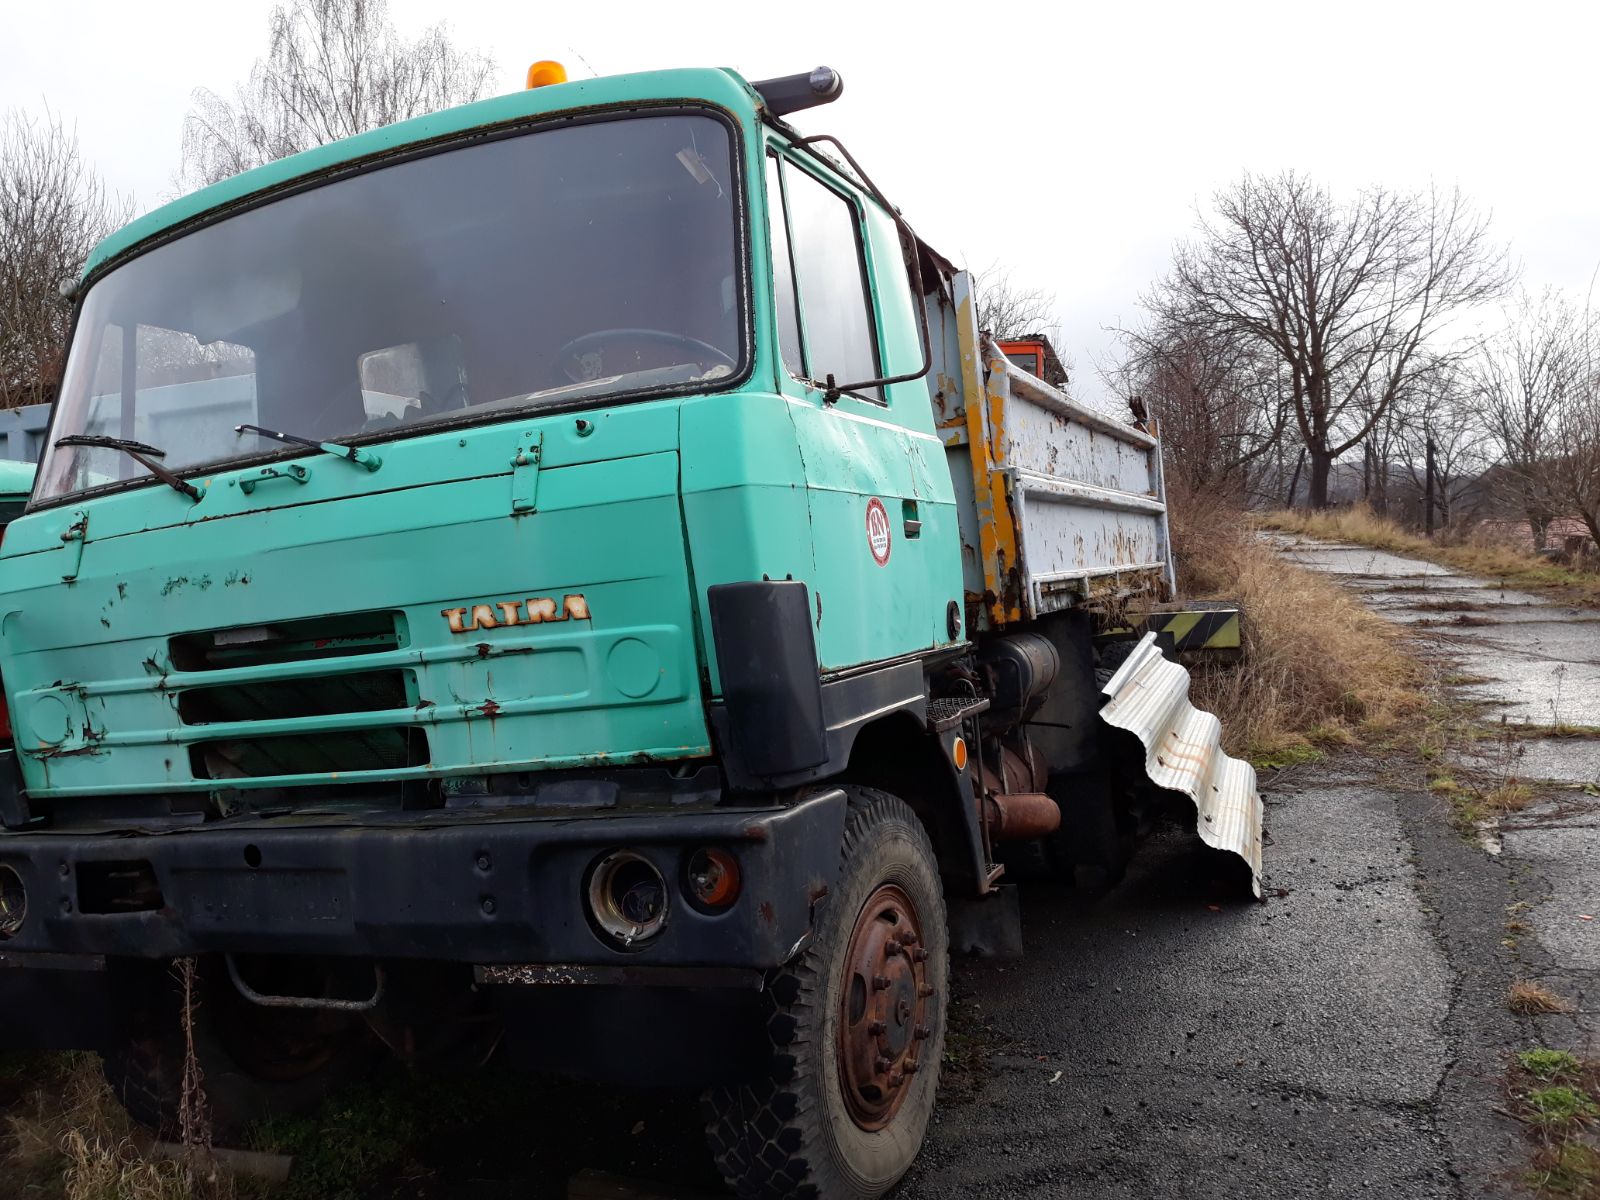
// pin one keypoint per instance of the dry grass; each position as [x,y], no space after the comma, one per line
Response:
[1529,999]
[68,1139]
[1319,668]
[1494,560]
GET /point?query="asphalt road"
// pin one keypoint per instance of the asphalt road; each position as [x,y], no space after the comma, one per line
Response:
[1350,1036]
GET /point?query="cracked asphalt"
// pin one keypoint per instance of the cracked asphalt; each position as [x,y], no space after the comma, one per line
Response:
[1350,1036]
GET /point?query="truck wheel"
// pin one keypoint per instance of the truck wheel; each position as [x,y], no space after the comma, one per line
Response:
[254,1062]
[856,1024]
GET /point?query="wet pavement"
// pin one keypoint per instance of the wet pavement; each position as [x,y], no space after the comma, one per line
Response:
[1349,1037]
[1531,661]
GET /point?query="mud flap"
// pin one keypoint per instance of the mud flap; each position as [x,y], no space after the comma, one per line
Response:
[1149,698]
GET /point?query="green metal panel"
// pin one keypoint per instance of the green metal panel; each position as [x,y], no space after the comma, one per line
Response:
[441,547]
[16,480]
[854,452]
[96,688]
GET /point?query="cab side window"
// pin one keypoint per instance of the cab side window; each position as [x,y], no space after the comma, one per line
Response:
[820,273]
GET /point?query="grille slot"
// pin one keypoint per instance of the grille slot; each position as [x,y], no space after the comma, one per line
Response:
[384,749]
[284,699]
[286,642]
[118,887]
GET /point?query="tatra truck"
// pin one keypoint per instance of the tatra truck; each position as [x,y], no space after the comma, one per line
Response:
[567,579]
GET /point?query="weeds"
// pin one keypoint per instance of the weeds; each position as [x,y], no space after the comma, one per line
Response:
[1528,999]
[1320,669]
[1553,1093]
[1550,1065]
[68,1139]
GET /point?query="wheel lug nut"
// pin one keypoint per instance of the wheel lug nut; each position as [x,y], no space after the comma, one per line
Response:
[924,991]
[911,1066]
[876,1028]
[908,938]
[922,1033]
[919,955]
[880,983]
[881,1064]
[896,1079]
[890,949]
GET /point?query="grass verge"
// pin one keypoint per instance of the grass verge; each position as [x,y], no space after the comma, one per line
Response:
[1493,560]
[1319,670]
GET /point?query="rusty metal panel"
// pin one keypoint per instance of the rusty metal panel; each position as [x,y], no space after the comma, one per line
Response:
[1058,504]
[1085,492]
[1149,698]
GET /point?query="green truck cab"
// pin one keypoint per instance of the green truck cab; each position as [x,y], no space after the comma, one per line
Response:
[550,568]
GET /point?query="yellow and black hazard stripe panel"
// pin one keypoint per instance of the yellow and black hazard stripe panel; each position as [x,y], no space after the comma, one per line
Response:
[1196,629]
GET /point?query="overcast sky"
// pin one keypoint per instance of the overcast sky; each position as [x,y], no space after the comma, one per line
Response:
[1071,145]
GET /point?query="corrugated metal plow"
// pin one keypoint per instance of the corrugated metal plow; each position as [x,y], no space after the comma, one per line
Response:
[1149,698]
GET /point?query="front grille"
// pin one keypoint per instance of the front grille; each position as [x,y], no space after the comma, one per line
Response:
[310,753]
[286,642]
[284,699]
[314,751]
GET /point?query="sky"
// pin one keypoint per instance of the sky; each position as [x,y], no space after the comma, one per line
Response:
[1071,145]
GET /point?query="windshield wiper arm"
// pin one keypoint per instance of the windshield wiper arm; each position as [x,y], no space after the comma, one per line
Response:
[140,453]
[354,454]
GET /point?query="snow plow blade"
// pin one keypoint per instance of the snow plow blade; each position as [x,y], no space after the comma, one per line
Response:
[1149,698]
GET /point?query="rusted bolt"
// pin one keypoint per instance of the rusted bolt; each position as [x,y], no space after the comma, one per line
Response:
[880,983]
[875,1028]
[919,955]
[908,938]
[911,1066]
[922,1033]
[881,1064]
[891,949]
[896,1078]
[925,990]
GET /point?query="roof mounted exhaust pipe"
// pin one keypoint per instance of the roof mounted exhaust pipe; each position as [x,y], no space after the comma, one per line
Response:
[791,93]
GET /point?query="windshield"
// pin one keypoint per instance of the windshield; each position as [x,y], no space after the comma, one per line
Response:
[569,263]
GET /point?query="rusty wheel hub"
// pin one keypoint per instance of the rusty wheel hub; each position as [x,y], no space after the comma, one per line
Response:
[883,1008]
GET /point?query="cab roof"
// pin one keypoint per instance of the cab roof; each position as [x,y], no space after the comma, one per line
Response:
[718,86]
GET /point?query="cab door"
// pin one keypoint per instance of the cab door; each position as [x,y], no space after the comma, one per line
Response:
[881,507]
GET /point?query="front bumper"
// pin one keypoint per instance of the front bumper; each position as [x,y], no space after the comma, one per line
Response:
[471,887]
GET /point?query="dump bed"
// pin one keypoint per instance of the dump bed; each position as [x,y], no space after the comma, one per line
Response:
[1059,504]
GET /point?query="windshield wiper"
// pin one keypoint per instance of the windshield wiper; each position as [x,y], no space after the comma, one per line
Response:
[140,453]
[354,454]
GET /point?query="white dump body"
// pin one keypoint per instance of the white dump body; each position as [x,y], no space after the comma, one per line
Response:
[1058,502]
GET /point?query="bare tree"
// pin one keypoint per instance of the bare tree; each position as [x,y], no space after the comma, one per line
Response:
[1574,471]
[1345,296]
[1007,309]
[53,209]
[1219,404]
[333,68]
[1438,419]
[1524,380]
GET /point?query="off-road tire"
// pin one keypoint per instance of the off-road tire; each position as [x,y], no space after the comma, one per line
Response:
[789,1135]
[145,1072]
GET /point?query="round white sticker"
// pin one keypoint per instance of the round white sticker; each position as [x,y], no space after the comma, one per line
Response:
[878,531]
